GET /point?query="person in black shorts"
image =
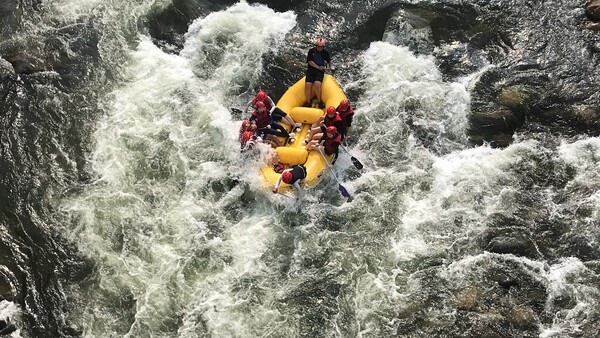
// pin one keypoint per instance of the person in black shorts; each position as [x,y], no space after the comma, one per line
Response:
[317,59]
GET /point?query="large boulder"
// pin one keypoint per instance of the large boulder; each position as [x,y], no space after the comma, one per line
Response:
[592,10]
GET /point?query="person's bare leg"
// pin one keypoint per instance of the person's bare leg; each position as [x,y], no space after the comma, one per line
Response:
[288,119]
[317,85]
[312,132]
[316,137]
[307,91]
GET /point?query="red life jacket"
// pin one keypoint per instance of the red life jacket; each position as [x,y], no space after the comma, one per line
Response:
[331,144]
[345,114]
[267,104]
[337,122]
[331,121]
[262,119]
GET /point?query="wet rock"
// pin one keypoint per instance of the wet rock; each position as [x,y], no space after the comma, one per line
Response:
[468,298]
[409,309]
[593,26]
[500,119]
[6,328]
[459,59]
[24,63]
[508,282]
[488,324]
[565,301]
[7,292]
[517,98]
[8,16]
[520,246]
[522,316]
[587,116]
[407,28]
[168,25]
[499,140]
[7,72]
[592,10]
[281,5]
[578,245]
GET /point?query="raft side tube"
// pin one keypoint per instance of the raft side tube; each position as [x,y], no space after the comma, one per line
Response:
[306,115]
[289,155]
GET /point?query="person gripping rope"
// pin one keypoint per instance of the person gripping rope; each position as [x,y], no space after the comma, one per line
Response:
[292,176]
[329,143]
[331,118]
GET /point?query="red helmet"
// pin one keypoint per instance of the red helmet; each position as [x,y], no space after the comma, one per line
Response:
[287,177]
[261,96]
[330,110]
[331,130]
[320,42]
[260,104]
[245,125]
[344,104]
[247,136]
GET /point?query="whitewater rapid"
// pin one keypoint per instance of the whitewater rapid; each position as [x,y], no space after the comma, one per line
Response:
[184,240]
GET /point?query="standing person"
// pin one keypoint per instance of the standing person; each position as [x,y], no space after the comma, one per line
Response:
[317,59]
[276,113]
[347,114]
[292,176]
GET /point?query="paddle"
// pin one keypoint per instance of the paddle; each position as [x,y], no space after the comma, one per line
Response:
[354,160]
[237,113]
[343,190]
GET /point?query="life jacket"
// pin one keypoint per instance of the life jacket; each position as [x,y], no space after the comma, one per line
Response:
[345,114]
[331,144]
[262,119]
[331,121]
[245,128]
[267,104]
[336,122]
[298,173]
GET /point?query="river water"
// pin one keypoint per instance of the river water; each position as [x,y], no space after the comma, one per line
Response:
[127,211]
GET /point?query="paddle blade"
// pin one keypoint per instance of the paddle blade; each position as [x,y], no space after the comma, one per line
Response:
[236,112]
[345,192]
[356,163]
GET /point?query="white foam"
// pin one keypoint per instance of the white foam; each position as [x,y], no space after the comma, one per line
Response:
[10,312]
[402,85]
[152,212]
[228,45]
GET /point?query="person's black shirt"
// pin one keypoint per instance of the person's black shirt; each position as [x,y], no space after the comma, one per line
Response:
[318,57]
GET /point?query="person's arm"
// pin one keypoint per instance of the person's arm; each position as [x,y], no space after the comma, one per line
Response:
[328,60]
[279,181]
[248,106]
[336,147]
[310,61]
[314,65]
[349,120]
[277,184]
[272,103]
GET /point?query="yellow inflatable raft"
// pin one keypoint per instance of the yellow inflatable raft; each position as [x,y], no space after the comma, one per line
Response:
[292,103]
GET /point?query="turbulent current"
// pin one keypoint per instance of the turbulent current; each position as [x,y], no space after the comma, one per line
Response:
[126,210]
